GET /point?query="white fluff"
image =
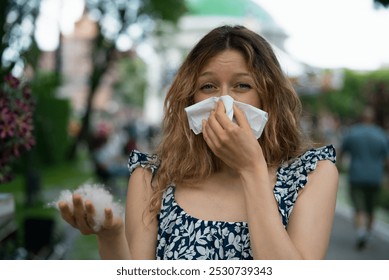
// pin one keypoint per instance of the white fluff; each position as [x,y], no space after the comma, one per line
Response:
[100,198]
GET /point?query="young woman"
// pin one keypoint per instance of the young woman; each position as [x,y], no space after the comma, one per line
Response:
[224,194]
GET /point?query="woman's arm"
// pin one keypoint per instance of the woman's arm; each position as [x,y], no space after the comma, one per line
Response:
[140,226]
[309,226]
[311,221]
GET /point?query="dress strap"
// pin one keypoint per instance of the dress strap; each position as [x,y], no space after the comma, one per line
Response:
[136,159]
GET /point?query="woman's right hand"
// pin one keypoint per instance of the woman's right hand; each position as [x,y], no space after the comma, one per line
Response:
[82,218]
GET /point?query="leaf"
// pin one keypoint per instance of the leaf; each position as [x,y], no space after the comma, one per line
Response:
[230,238]
[201,250]
[202,241]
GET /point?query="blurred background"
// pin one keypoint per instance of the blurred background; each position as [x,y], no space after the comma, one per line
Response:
[83,83]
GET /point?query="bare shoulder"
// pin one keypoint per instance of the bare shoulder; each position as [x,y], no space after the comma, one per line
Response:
[323,179]
[139,185]
[325,172]
[139,194]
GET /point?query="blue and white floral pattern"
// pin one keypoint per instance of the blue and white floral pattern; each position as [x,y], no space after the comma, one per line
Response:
[137,159]
[181,236]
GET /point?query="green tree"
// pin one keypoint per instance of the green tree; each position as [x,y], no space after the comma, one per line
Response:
[359,90]
[131,91]
[17,44]
[147,15]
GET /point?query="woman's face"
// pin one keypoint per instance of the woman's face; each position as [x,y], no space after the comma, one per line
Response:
[227,74]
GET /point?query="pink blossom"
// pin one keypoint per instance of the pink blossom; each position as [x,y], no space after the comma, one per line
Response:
[5,115]
[29,143]
[7,130]
[16,123]
[23,106]
[26,93]
[12,81]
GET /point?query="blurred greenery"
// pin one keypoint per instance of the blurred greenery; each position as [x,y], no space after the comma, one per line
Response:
[131,84]
[51,120]
[54,178]
[359,90]
[84,248]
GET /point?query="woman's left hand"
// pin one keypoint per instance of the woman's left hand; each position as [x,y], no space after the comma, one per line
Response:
[234,143]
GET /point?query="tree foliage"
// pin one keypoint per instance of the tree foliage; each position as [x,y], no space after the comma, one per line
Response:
[131,91]
[170,10]
[359,90]
[384,3]
[17,22]
[116,19]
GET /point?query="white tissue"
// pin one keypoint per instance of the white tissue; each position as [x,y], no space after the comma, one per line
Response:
[200,111]
[98,195]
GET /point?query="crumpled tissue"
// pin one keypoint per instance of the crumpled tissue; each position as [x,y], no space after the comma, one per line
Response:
[200,111]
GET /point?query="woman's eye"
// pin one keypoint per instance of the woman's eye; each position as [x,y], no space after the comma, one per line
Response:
[244,86]
[207,87]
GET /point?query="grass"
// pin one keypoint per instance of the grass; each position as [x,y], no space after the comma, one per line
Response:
[56,176]
[84,248]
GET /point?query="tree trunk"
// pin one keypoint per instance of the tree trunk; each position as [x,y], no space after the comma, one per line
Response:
[101,58]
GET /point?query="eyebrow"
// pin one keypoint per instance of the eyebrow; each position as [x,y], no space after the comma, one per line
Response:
[209,73]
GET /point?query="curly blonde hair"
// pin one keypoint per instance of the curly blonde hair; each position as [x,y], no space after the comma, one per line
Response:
[184,156]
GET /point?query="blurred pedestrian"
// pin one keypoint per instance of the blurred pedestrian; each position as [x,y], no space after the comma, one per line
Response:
[225,190]
[368,148]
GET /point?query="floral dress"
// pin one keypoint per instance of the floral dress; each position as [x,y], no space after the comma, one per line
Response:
[181,236]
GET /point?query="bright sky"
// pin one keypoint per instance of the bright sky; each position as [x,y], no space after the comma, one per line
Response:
[334,33]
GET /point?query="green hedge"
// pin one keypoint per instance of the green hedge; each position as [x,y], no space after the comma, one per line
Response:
[51,120]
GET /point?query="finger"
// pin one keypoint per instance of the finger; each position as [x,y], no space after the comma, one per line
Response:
[219,106]
[108,221]
[241,118]
[214,124]
[221,116]
[78,205]
[90,213]
[80,214]
[209,135]
[66,213]
[205,132]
